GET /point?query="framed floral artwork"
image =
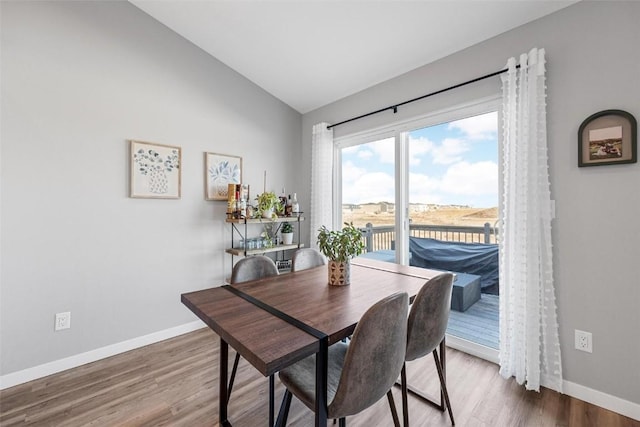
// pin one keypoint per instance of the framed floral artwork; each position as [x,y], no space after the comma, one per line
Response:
[155,170]
[607,138]
[220,171]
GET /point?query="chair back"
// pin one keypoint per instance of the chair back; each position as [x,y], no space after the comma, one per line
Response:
[429,316]
[253,268]
[374,358]
[307,258]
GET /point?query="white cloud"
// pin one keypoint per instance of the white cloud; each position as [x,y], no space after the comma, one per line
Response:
[450,151]
[365,154]
[350,173]
[369,187]
[424,189]
[351,150]
[478,127]
[419,147]
[474,179]
[385,149]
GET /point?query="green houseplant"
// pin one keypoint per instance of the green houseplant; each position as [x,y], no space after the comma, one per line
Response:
[339,246]
[268,204]
[287,233]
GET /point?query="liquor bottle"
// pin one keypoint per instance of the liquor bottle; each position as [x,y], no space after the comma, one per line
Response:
[288,209]
[283,201]
[231,201]
[295,207]
[237,213]
[243,208]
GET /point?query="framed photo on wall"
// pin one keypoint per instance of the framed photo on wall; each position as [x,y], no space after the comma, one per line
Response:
[155,171]
[606,138]
[220,171]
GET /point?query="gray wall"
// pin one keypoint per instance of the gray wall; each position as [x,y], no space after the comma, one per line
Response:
[78,80]
[593,64]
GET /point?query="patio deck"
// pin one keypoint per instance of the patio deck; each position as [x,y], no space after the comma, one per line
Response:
[479,324]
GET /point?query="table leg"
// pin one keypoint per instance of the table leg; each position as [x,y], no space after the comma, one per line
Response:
[271,398]
[222,398]
[321,383]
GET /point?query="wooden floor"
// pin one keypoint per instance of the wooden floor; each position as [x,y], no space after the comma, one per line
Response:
[175,383]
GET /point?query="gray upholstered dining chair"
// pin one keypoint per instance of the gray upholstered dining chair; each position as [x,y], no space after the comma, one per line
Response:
[307,258]
[426,330]
[359,373]
[251,268]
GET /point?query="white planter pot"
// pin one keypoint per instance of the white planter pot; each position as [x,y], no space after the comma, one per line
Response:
[267,214]
[287,238]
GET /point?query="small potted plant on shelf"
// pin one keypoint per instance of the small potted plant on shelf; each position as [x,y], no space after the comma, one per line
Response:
[340,246]
[287,233]
[268,205]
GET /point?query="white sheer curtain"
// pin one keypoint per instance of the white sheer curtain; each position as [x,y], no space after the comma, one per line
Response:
[321,206]
[529,342]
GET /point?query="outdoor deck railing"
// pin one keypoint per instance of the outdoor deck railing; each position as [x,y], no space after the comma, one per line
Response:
[383,237]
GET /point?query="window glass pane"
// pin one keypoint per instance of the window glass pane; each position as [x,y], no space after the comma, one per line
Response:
[453,177]
[453,197]
[368,192]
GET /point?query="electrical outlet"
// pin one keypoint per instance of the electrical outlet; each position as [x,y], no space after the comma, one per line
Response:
[63,321]
[584,341]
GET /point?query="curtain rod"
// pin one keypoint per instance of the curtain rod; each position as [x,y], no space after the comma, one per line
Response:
[395,106]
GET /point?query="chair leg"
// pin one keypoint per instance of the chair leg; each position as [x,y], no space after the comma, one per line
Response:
[392,406]
[233,376]
[443,385]
[443,363]
[342,422]
[283,414]
[405,399]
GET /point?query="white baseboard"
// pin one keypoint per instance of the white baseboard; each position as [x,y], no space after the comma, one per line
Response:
[595,397]
[607,401]
[40,371]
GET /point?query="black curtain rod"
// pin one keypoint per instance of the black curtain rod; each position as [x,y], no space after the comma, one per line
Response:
[395,107]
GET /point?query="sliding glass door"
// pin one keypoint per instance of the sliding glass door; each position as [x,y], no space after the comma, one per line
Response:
[368,193]
[430,182]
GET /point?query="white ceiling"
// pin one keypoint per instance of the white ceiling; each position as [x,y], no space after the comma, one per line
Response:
[309,53]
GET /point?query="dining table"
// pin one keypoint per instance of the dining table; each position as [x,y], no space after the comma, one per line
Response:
[277,321]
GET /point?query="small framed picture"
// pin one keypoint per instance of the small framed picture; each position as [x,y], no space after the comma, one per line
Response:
[220,170]
[607,138]
[155,171]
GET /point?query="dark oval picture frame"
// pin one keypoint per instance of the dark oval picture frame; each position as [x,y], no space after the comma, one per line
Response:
[608,137]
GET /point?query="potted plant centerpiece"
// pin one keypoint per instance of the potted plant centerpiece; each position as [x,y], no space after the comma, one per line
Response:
[287,233]
[268,204]
[339,246]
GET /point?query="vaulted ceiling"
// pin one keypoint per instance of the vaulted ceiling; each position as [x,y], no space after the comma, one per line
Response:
[310,53]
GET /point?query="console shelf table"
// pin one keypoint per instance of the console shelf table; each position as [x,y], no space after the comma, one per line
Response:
[240,226]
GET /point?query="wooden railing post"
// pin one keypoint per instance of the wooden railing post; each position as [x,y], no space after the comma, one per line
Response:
[369,237]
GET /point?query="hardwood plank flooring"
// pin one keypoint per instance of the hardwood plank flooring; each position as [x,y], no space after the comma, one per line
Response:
[175,383]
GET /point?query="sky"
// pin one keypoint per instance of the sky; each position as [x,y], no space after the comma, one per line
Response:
[451,163]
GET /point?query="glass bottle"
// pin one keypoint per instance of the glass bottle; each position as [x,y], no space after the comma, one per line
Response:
[295,207]
[289,207]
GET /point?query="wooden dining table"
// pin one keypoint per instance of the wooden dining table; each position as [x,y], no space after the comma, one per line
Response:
[277,321]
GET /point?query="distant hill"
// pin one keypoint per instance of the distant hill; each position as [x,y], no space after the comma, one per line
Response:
[484,213]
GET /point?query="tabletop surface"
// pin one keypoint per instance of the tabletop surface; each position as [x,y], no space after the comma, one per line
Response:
[270,343]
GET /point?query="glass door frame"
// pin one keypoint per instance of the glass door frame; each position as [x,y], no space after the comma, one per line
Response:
[400,131]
